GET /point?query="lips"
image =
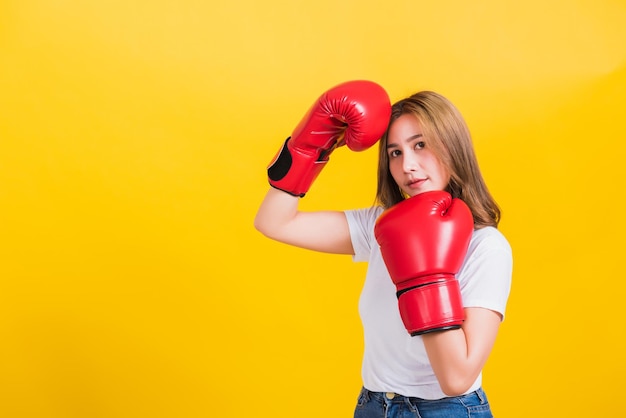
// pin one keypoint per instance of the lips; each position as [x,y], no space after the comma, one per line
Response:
[415,183]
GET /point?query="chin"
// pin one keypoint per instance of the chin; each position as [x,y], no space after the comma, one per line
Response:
[411,193]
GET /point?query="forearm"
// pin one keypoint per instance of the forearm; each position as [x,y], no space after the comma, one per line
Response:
[458,356]
[453,363]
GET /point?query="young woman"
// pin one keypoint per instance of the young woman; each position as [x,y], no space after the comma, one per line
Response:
[422,358]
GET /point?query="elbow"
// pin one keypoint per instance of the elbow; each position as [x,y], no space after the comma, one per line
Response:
[264,228]
[259,226]
[455,386]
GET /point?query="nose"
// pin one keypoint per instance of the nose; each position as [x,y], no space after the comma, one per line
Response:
[410,162]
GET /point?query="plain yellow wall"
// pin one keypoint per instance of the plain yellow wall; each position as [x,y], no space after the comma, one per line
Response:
[134,137]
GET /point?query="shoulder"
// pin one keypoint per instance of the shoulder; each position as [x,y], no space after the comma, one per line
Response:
[364,216]
[361,225]
[489,239]
[486,274]
[489,255]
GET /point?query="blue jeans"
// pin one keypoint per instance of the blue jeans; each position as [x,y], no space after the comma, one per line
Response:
[391,405]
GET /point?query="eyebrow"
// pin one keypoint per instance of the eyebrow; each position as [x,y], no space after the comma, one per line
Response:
[409,139]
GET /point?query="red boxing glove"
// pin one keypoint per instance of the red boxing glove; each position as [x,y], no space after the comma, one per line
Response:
[423,241]
[355,113]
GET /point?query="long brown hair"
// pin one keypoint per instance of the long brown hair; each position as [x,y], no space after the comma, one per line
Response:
[450,140]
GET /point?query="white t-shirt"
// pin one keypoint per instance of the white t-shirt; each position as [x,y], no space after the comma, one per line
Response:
[393,361]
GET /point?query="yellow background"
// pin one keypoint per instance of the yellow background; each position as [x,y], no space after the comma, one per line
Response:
[134,137]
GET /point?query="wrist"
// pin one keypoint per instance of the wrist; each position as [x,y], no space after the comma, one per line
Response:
[294,172]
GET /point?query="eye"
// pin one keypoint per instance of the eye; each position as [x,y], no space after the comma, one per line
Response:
[420,145]
[394,153]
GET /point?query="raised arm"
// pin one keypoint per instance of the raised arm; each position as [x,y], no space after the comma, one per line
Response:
[278,218]
[355,114]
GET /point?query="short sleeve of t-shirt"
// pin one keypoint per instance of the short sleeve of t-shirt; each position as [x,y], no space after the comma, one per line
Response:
[485,276]
[361,223]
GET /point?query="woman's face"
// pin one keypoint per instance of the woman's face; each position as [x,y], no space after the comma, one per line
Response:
[413,166]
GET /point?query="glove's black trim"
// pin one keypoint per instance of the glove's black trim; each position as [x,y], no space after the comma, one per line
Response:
[448,328]
[282,165]
[400,292]
[287,191]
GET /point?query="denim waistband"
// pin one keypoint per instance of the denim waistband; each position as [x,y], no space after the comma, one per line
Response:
[396,397]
